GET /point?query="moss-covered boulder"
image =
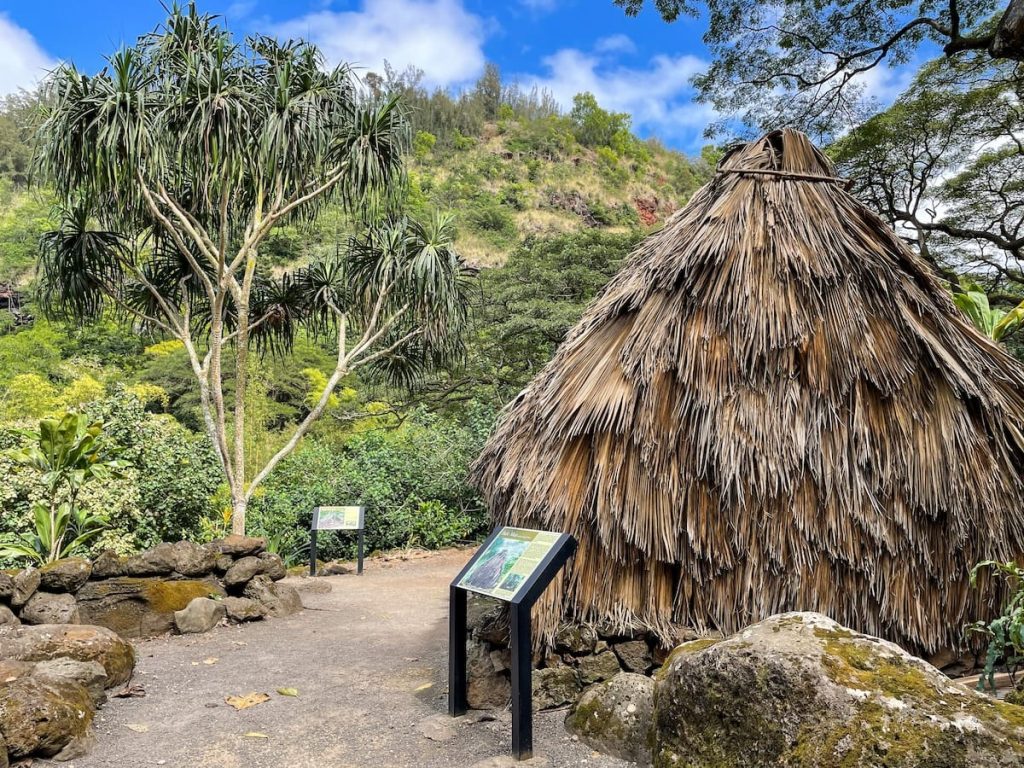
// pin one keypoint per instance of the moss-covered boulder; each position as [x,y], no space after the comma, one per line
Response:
[50,608]
[67,575]
[44,716]
[140,607]
[555,687]
[616,717]
[72,641]
[800,690]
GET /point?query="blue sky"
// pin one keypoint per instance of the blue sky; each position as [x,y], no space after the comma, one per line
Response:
[638,65]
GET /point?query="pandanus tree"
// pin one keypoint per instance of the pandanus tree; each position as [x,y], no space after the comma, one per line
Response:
[172,166]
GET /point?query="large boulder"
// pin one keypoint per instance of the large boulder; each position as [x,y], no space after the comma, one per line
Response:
[158,561]
[273,565]
[616,717]
[107,565]
[50,608]
[798,689]
[44,716]
[241,609]
[140,607]
[243,570]
[26,582]
[201,615]
[239,546]
[488,686]
[6,586]
[191,559]
[89,674]
[72,641]
[67,575]
[278,598]
[555,687]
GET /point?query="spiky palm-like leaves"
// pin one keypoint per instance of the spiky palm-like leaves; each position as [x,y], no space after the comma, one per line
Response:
[176,161]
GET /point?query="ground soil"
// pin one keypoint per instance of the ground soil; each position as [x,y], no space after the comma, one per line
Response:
[369,661]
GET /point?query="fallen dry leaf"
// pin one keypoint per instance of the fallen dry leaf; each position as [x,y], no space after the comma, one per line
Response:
[137,727]
[288,691]
[256,735]
[424,687]
[248,700]
[211,660]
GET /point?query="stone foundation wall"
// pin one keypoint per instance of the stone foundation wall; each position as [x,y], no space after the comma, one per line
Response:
[581,656]
[144,595]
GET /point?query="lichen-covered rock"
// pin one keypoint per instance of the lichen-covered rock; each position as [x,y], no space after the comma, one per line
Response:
[50,608]
[616,717]
[599,667]
[108,565]
[73,641]
[239,546]
[273,565]
[6,587]
[243,571]
[67,575]
[158,561]
[26,582]
[223,563]
[241,609]
[487,687]
[7,616]
[191,559]
[278,598]
[42,716]
[555,687]
[634,655]
[799,689]
[576,639]
[201,615]
[140,607]
[89,674]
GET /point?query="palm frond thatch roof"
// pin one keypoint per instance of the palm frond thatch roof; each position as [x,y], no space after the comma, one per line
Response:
[774,406]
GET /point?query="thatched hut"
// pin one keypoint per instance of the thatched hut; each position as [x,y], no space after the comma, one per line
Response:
[774,406]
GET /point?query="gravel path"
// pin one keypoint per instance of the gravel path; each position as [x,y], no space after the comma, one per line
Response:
[369,660]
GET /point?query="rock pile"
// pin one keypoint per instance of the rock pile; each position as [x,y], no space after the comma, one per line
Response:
[581,656]
[798,689]
[181,586]
[52,679]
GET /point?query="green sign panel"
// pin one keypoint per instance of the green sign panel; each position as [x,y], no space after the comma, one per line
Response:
[508,562]
[337,519]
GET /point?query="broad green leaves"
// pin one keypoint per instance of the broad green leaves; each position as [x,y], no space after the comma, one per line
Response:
[994,323]
[67,453]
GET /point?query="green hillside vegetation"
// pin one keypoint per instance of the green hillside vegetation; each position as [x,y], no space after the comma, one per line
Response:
[546,206]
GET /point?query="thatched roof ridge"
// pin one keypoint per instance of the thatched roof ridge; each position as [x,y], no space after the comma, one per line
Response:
[773,406]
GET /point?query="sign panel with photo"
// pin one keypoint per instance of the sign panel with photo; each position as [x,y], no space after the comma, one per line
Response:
[507,563]
[337,518]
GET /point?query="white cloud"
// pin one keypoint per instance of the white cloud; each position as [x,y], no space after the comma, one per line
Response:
[22,62]
[540,6]
[658,96]
[615,44]
[438,36]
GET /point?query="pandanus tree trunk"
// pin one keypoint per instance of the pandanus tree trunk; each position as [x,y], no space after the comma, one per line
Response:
[1008,42]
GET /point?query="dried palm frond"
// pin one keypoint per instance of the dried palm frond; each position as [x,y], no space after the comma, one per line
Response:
[774,406]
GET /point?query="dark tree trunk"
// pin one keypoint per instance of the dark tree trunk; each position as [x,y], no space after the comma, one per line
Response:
[1008,42]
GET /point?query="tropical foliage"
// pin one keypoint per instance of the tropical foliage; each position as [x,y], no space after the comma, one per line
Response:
[67,454]
[172,166]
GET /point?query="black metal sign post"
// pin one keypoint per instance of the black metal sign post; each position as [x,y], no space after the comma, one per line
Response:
[337,519]
[526,591]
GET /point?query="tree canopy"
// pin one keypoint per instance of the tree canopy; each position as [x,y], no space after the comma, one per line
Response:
[174,164]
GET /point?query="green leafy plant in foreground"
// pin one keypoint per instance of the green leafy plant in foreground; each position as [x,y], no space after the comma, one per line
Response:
[994,323]
[1005,633]
[67,453]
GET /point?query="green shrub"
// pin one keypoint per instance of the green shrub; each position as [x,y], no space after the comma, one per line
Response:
[412,481]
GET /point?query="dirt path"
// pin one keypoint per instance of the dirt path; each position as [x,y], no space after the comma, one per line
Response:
[359,656]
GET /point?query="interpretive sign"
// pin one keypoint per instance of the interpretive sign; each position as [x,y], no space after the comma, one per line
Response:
[514,565]
[503,568]
[336,519]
